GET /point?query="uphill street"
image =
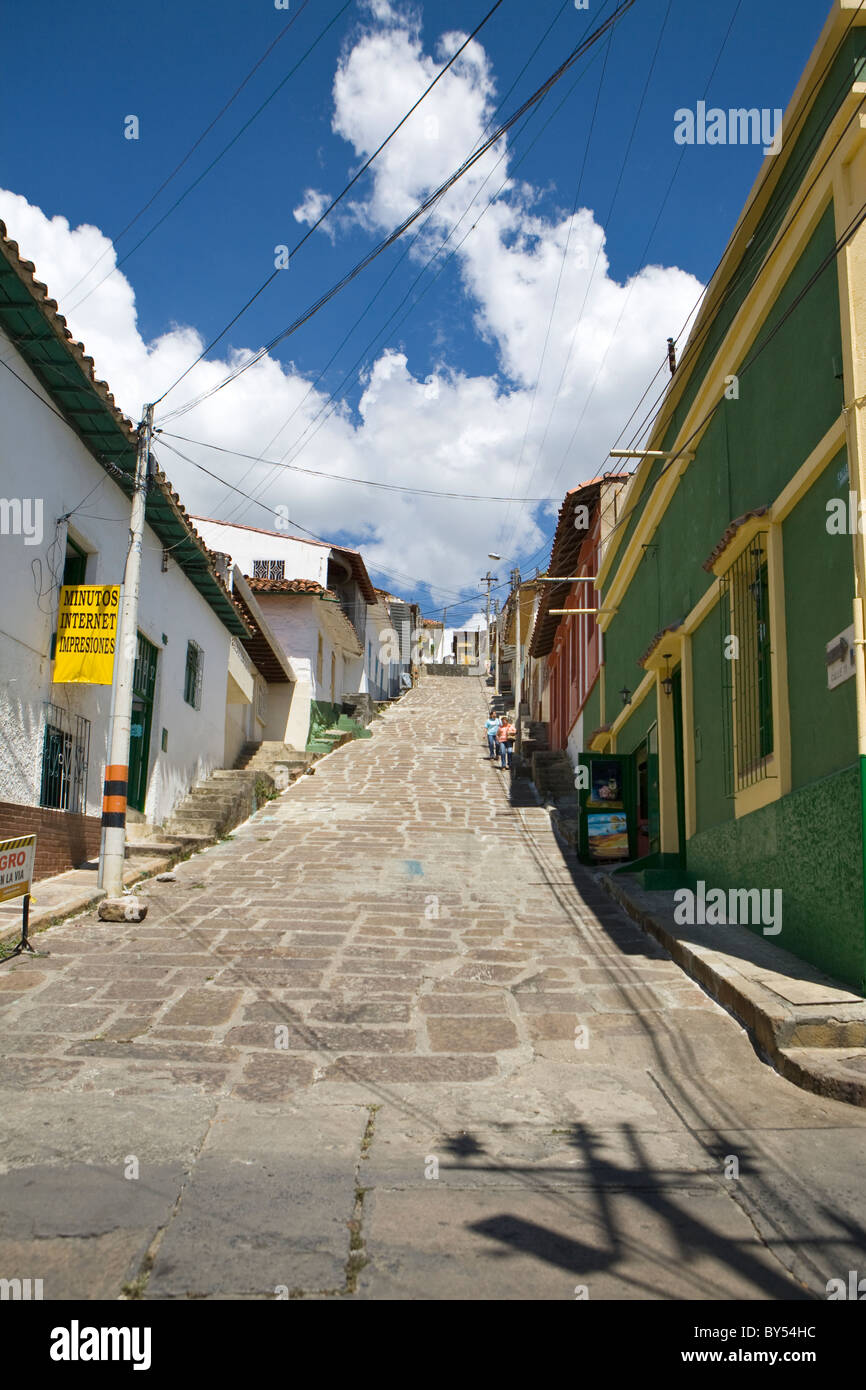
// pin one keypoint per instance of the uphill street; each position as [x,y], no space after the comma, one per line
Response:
[385,1041]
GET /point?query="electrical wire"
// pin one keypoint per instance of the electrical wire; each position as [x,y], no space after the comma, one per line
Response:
[790,179]
[298,444]
[339,198]
[377,250]
[328,408]
[421,583]
[176,204]
[342,477]
[562,263]
[853,226]
[176,170]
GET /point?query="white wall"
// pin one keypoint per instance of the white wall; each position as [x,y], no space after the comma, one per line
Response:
[41,458]
[303,559]
[296,622]
[575,743]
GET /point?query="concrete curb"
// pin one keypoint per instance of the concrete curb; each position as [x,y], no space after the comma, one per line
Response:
[819,1047]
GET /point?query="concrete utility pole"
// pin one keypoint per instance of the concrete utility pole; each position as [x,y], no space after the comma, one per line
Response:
[488,580]
[113,848]
[515,580]
[496,650]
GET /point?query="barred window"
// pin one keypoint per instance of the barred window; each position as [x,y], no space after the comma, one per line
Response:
[65,754]
[193,676]
[747,724]
[269,569]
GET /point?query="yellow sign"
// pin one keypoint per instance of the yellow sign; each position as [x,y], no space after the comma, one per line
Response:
[86,634]
[16,866]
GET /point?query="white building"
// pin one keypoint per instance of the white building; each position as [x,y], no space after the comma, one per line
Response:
[432,641]
[322,610]
[467,645]
[67,457]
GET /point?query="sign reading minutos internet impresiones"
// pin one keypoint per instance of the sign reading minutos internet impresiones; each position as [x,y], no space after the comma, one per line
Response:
[86,634]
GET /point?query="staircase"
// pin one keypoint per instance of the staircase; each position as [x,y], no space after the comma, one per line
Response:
[274,759]
[215,806]
[534,738]
[322,741]
[553,775]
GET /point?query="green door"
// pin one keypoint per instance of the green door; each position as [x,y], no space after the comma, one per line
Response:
[653,804]
[677,697]
[143,686]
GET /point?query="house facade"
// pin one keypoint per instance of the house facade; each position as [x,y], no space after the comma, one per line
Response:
[67,458]
[316,599]
[565,647]
[733,678]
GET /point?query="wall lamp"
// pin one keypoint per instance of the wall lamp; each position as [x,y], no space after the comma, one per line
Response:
[626,695]
[667,682]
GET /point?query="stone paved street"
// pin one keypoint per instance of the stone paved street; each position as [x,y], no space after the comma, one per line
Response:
[387,1042]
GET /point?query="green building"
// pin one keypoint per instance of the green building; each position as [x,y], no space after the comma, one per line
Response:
[731,585]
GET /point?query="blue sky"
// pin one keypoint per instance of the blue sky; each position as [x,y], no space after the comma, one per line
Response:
[175,64]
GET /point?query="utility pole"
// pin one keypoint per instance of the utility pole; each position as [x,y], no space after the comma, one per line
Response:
[488,580]
[113,848]
[496,650]
[515,580]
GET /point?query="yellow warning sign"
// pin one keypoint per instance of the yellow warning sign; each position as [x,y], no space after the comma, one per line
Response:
[86,634]
[16,866]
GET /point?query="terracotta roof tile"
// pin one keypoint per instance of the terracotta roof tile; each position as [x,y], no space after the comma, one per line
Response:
[289,586]
[729,535]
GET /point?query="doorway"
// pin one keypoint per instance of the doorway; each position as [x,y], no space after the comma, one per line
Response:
[143,686]
[646,757]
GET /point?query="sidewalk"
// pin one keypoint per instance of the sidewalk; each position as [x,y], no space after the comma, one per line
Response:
[808,1025]
[66,895]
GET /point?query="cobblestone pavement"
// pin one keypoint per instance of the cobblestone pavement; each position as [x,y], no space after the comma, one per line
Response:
[388,1042]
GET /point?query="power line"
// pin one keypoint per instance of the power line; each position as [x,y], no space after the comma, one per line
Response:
[342,477]
[176,170]
[176,204]
[853,226]
[340,196]
[562,262]
[790,179]
[403,227]
[613,201]
[325,411]
[421,583]
[298,444]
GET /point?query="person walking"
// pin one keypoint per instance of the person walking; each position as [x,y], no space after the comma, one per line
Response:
[492,727]
[505,736]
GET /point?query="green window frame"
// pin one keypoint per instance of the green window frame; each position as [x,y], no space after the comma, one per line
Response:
[75,564]
[193,675]
[747,670]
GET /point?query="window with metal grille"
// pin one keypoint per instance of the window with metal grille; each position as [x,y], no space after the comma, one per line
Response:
[65,755]
[269,569]
[747,723]
[192,679]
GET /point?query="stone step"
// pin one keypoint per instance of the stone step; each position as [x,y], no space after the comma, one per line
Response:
[198,826]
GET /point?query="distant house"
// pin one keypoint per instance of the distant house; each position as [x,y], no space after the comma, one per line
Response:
[400,641]
[467,645]
[67,456]
[316,599]
[432,641]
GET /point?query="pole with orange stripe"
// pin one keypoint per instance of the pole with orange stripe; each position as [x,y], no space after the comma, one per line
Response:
[113,850]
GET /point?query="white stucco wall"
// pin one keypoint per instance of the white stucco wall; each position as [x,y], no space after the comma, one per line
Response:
[303,559]
[575,743]
[297,622]
[43,460]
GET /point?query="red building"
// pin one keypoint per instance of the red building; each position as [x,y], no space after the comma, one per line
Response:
[571,644]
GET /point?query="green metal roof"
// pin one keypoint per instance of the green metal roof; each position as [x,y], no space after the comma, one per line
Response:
[39,332]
